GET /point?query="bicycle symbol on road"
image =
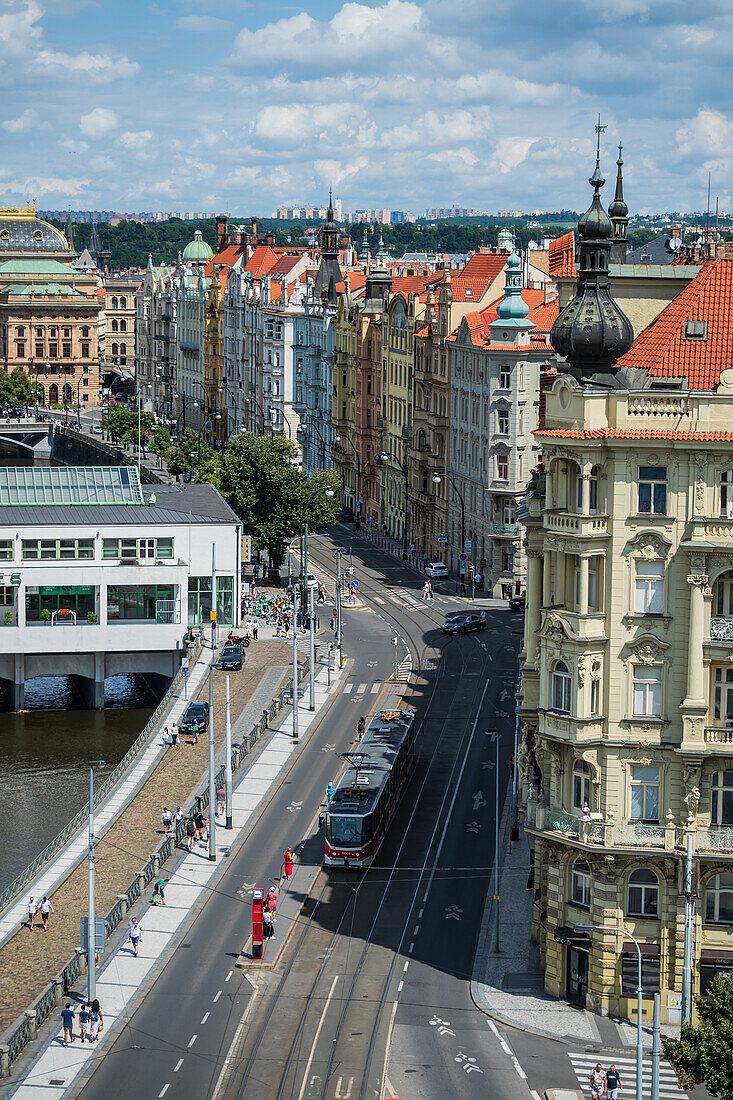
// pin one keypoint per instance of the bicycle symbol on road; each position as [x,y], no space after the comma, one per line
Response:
[443,1026]
[469,1064]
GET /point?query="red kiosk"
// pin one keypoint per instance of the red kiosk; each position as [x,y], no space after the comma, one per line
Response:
[257,939]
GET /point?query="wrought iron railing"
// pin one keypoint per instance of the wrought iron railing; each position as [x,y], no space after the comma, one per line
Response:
[715,839]
[721,630]
[562,822]
[20,1033]
[637,834]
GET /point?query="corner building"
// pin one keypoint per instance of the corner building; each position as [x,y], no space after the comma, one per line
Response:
[627,684]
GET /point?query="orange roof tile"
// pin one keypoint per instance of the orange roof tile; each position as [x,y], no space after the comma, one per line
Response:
[629,433]
[664,351]
[561,261]
[284,265]
[485,266]
[544,316]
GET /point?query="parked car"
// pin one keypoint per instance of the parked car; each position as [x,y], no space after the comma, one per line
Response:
[231,657]
[464,623]
[517,603]
[97,429]
[436,570]
[345,514]
[199,712]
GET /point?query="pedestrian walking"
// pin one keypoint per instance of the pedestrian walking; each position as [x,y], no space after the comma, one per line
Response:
[177,818]
[268,932]
[256,571]
[613,1082]
[190,832]
[597,1080]
[205,832]
[426,590]
[67,1018]
[159,892]
[430,590]
[174,735]
[165,738]
[288,862]
[135,936]
[198,818]
[83,1022]
[167,819]
[360,727]
[221,798]
[255,629]
[46,910]
[270,904]
[96,1020]
[195,731]
[330,792]
[30,910]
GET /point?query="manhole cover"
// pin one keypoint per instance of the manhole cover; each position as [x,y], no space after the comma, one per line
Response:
[56,1081]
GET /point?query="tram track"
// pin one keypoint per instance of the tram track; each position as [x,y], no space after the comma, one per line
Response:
[361,905]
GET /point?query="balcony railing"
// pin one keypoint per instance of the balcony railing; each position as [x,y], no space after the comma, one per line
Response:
[721,630]
[576,524]
[716,838]
[562,822]
[717,735]
[638,835]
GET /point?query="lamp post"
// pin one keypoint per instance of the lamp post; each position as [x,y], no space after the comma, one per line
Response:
[437,478]
[304,559]
[186,402]
[308,424]
[639,1034]
[253,401]
[357,487]
[383,459]
[91,940]
[296,586]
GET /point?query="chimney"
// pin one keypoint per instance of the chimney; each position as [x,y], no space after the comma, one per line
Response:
[222,236]
[254,232]
[271,239]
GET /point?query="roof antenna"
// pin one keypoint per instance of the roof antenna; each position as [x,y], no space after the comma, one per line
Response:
[707,222]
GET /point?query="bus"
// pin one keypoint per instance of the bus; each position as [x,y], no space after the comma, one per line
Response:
[367,794]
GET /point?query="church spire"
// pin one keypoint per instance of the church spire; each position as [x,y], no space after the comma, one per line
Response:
[70,234]
[619,214]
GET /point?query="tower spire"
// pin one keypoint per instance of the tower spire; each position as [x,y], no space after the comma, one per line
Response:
[619,213]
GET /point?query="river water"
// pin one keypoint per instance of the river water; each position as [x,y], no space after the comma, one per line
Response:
[44,755]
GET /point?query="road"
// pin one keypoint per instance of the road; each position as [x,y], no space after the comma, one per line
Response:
[379,981]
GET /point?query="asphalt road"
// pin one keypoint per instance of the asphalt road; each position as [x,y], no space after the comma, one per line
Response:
[408,1009]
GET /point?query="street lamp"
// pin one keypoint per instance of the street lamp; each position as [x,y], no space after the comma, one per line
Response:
[357,502]
[194,404]
[308,425]
[383,459]
[328,491]
[639,1034]
[91,939]
[437,478]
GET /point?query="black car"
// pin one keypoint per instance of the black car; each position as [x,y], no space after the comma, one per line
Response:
[517,603]
[345,514]
[464,623]
[231,657]
[198,712]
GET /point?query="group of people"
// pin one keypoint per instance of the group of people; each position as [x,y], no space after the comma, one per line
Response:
[604,1081]
[34,908]
[91,1022]
[251,628]
[427,591]
[169,736]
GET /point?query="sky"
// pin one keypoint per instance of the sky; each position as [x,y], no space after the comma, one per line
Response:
[244,105]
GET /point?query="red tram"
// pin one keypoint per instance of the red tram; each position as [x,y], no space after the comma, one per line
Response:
[367,794]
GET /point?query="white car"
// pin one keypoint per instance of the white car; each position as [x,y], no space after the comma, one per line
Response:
[437,570]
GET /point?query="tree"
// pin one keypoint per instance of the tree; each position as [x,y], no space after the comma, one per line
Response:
[704,1054]
[122,425]
[17,389]
[270,494]
[161,441]
[186,455]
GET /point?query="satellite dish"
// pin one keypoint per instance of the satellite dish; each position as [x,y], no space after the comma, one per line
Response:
[675,244]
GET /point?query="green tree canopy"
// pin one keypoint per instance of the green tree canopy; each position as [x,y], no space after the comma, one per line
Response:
[270,494]
[704,1054]
[122,424]
[17,389]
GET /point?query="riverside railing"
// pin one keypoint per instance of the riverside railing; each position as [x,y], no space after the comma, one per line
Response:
[24,1029]
[10,893]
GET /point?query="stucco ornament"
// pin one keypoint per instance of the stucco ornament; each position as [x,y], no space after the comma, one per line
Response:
[691,781]
[581,671]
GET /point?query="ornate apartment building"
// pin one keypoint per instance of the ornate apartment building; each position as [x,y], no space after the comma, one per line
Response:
[627,690]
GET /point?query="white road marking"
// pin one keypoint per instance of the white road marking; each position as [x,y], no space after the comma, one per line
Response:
[192,1040]
[410,948]
[416,928]
[534,1094]
[518,1068]
[178,1065]
[348,688]
[400,987]
[164,1090]
[361,689]
[206,1016]
[216,998]
[228,975]
[668,1088]
[419,915]
[315,1040]
[375,688]
[404,968]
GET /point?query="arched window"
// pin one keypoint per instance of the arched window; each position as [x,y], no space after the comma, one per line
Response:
[561,688]
[114,303]
[114,326]
[53,394]
[123,349]
[643,894]
[114,349]
[581,785]
[719,900]
[593,490]
[580,884]
[123,302]
[722,808]
[68,393]
[123,325]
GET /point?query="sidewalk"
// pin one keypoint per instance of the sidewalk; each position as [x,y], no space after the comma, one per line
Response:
[56,1069]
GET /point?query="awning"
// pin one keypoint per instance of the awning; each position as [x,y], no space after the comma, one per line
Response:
[566,934]
[651,949]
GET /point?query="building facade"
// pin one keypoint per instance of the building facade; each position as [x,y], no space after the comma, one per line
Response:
[625,708]
[156,338]
[313,331]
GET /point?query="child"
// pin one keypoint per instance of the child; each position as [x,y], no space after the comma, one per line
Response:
[83,1022]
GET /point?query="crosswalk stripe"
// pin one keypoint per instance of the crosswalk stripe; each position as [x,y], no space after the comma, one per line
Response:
[668,1088]
[361,689]
[347,688]
[375,688]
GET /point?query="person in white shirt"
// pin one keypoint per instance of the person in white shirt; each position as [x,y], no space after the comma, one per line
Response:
[31,909]
[135,935]
[46,910]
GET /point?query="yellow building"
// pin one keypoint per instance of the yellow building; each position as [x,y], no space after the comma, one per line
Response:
[627,689]
[398,333]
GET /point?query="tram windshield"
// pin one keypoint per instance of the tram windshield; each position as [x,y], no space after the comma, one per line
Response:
[345,831]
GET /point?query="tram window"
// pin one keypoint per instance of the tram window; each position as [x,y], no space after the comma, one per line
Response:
[344,830]
[367,828]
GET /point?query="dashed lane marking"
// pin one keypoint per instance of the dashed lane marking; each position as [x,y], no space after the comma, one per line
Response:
[216,998]
[192,1040]
[348,688]
[178,1065]
[375,688]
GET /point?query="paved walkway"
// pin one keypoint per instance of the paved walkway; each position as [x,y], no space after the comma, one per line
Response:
[56,1068]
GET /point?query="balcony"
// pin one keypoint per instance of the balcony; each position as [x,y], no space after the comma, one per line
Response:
[505,530]
[712,529]
[721,630]
[569,523]
[717,735]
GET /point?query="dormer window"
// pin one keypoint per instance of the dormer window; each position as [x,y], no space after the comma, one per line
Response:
[696,330]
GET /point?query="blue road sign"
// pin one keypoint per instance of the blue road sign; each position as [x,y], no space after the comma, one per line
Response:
[207,426]
[354,584]
[358,505]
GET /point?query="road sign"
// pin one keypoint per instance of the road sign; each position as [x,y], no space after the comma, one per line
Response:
[357,506]
[100,933]
[207,426]
[442,537]
[354,583]
[246,548]
[212,616]
[462,557]
[467,545]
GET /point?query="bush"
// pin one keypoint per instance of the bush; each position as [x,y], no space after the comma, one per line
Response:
[45,615]
[8,618]
[91,618]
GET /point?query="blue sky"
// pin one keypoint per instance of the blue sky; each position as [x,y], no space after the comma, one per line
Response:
[244,105]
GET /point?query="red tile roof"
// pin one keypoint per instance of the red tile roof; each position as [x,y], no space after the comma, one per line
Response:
[476,328]
[561,260]
[284,265]
[485,266]
[544,316]
[629,433]
[469,289]
[664,351]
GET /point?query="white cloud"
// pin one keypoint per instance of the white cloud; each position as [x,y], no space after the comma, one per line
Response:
[18,28]
[135,139]
[202,24]
[98,67]
[46,185]
[709,133]
[334,172]
[98,122]
[21,125]
[72,146]
[510,153]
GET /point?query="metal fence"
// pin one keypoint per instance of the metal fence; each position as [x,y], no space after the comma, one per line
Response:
[20,1033]
[10,893]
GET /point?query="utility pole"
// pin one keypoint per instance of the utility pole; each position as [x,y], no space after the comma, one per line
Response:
[338,609]
[656,1044]
[212,786]
[689,932]
[295,663]
[312,699]
[496,841]
[228,761]
[91,938]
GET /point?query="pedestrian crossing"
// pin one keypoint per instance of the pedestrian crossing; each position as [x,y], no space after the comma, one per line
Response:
[583,1064]
[362,689]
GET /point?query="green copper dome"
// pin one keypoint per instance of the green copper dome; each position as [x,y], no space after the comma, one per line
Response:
[197,250]
[513,308]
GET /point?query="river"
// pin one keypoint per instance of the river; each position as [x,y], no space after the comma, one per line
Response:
[44,755]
